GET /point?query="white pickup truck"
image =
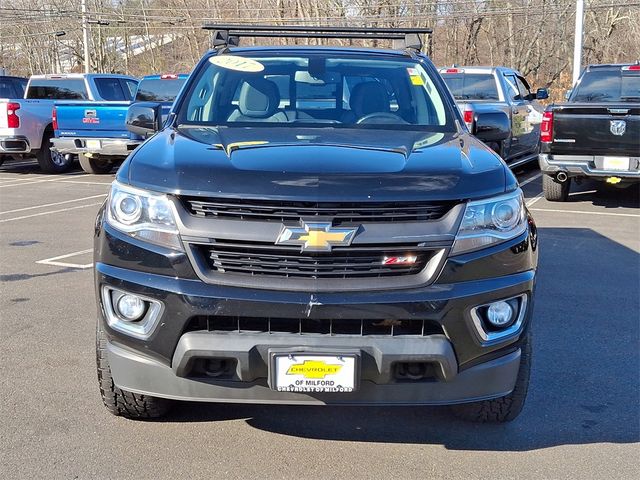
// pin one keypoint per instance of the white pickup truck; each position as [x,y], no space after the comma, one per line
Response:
[26,124]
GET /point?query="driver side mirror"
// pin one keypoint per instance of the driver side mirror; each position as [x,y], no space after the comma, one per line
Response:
[491,126]
[144,118]
[542,94]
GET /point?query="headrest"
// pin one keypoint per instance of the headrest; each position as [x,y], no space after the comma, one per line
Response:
[369,97]
[259,98]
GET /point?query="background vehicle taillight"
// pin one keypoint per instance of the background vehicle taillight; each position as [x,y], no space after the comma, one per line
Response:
[54,118]
[546,127]
[632,68]
[13,121]
[169,76]
[452,70]
[468,118]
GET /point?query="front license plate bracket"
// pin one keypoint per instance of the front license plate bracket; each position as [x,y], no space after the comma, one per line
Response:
[311,371]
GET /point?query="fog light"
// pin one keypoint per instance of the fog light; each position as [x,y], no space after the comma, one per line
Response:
[500,314]
[130,307]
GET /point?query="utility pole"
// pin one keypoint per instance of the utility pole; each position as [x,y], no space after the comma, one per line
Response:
[85,36]
[577,47]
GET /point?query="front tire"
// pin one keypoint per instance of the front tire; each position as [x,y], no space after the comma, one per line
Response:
[95,165]
[50,161]
[502,409]
[555,191]
[121,402]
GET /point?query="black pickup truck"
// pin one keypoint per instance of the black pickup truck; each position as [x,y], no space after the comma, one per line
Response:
[315,225]
[596,134]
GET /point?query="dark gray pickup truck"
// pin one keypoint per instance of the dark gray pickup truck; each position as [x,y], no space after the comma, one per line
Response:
[596,134]
[500,89]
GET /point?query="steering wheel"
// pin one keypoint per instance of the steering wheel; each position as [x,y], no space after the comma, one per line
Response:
[380,117]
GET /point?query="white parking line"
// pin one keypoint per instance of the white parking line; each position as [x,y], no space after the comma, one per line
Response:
[530,179]
[50,212]
[57,178]
[53,204]
[85,183]
[613,214]
[533,200]
[53,260]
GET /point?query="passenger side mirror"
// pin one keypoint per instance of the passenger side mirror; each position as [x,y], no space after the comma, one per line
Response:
[542,94]
[144,118]
[492,126]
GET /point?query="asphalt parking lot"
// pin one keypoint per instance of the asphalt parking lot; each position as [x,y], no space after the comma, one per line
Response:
[582,417]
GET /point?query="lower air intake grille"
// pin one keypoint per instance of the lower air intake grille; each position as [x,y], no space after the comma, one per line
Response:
[303,326]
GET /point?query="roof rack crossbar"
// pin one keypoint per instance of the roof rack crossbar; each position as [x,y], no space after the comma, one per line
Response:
[313,28]
[225,32]
[384,36]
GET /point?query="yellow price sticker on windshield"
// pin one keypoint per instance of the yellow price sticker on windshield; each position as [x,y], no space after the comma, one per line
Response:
[240,64]
[415,77]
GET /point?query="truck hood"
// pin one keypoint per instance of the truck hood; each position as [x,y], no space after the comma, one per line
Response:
[311,163]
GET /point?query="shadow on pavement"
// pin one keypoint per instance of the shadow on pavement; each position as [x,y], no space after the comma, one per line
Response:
[604,195]
[584,385]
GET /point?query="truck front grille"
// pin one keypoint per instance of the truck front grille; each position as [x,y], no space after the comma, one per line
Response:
[262,258]
[302,326]
[281,211]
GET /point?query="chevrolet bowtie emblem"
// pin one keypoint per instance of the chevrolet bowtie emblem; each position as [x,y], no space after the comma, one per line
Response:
[316,237]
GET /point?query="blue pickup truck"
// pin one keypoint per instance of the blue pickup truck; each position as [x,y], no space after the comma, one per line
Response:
[96,131]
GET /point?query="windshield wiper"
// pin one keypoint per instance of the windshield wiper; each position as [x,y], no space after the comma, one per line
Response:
[630,97]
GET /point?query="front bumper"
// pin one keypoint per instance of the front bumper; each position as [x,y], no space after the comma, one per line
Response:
[586,166]
[136,373]
[14,144]
[108,147]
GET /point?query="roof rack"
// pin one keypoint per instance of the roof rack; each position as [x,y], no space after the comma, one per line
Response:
[229,35]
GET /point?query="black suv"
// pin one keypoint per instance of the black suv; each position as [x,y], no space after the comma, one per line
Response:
[314,225]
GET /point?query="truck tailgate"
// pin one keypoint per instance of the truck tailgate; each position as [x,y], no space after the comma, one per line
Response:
[3,113]
[92,120]
[588,129]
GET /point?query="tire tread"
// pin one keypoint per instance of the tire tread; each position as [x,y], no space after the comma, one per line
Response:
[121,402]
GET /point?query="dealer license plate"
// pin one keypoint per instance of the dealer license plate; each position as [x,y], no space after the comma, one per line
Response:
[615,163]
[314,373]
[94,144]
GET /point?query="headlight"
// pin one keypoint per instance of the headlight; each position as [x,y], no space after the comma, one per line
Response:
[144,215]
[490,221]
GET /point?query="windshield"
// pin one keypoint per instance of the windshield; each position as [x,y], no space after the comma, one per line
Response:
[315,90]
[159,90]
[472,86]
[608,86]
[57,89]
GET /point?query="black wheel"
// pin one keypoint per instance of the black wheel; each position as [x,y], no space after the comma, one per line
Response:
[95,165]
[120,402]
[50,161]
[1,159]
[502,409]
[555,191]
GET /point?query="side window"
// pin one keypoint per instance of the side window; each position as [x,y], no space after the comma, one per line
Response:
[21,86]
[524,90]
[6,89]
[109,89]
[511,88]
[129,86]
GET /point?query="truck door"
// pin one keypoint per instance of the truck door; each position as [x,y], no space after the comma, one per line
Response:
[533,119]
[519,114]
